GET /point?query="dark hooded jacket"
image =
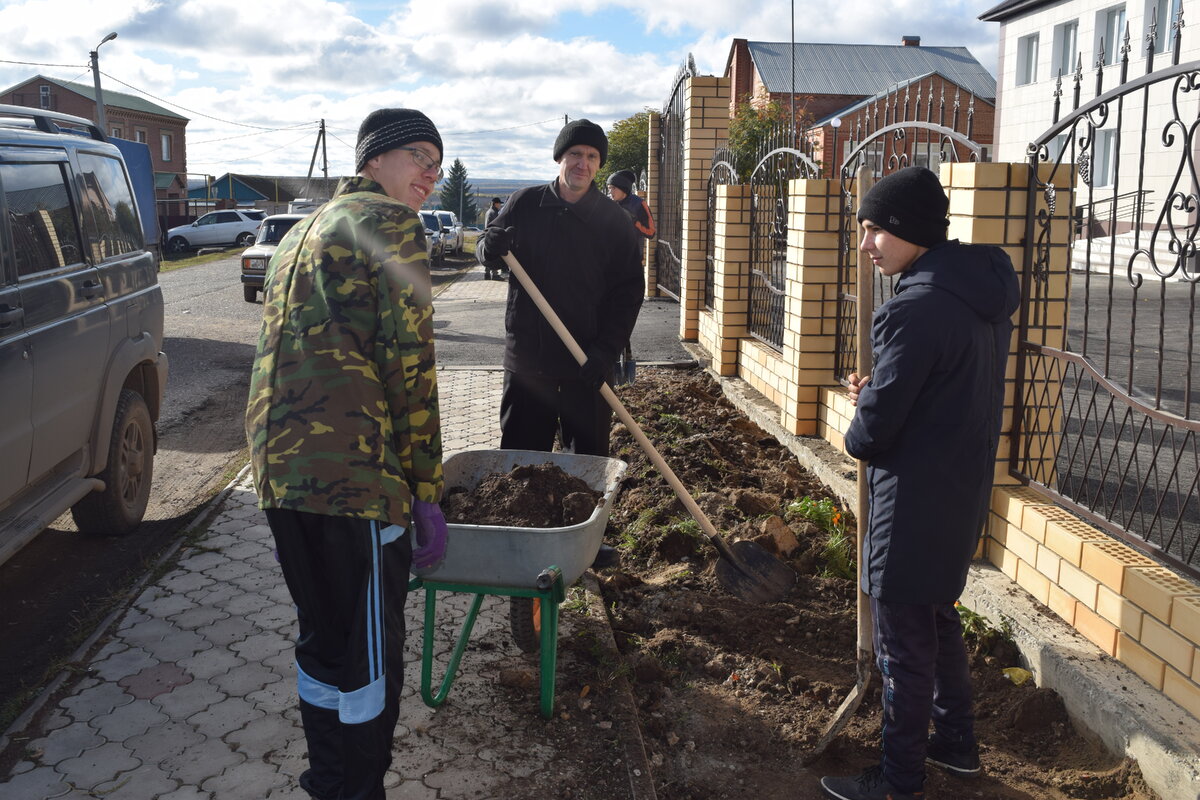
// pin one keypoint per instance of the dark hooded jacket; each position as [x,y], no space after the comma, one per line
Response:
[584,258]
[928,422]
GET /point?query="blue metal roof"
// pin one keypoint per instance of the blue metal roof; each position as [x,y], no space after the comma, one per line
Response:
[864,69]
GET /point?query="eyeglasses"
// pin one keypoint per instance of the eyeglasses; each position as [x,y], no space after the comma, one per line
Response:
[422,160]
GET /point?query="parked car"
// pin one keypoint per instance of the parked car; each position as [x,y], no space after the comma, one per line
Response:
[256,257]
[452,231]
[81,332]
[232,226]
[435,243]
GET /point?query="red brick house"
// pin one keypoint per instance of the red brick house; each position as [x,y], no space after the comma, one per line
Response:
[862,85]
[129,117]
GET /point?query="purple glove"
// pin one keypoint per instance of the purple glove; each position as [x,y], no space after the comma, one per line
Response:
[429,532]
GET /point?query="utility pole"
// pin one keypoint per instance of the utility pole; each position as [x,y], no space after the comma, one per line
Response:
[101,117]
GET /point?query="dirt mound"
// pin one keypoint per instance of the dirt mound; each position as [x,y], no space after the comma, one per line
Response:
[528,496]
[732,695]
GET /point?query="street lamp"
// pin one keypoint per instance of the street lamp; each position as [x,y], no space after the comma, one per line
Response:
[101,119]
[834,123]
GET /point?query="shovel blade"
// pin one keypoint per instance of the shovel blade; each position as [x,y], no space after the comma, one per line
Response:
[752,574]
[837,723]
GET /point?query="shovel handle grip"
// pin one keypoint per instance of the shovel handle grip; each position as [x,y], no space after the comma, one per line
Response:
[617,406]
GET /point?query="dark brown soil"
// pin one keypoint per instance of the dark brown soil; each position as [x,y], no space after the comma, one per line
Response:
[529,496]
[731,696]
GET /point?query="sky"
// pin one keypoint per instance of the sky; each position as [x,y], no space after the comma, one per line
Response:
[498,79]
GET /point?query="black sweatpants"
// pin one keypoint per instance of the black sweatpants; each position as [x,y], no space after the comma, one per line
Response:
[535,407]
[926,676]
[349,587]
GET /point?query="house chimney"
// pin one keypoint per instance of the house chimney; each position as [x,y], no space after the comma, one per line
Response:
[910,41]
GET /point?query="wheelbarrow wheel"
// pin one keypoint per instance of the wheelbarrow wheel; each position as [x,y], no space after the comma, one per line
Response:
[525,620]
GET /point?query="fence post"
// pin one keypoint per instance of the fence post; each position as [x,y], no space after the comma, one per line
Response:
[810,304]
[654,145]
[706,123]
[721,332]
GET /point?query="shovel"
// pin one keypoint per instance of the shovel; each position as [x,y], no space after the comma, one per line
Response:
[862,668]
[745,569]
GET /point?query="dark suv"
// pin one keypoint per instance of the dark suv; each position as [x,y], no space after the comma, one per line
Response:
[81,327]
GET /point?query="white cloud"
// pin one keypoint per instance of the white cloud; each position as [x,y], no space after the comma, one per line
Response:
[496,78]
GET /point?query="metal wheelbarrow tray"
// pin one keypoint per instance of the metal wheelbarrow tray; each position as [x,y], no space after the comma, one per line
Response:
[537,563]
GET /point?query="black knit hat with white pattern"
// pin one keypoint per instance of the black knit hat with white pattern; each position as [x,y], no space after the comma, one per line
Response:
[388,128]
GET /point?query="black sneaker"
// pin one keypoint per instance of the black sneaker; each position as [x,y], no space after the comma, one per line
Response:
[607,556]
[870,785]
[956,760]
[307,784]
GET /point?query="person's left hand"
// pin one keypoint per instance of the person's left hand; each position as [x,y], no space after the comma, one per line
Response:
[593,371]
[429,534]
[855,386]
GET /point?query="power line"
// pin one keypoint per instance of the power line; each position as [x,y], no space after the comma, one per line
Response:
[465,133]
[258,155]
[255,133]
[189,110]
[39,64]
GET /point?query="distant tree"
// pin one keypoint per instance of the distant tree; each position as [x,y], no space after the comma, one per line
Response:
[459,196]
[628,142]
[754,124]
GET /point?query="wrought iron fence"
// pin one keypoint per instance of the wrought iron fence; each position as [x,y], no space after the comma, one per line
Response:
[1107,418]
[669,215]
[779,161]
[721,173]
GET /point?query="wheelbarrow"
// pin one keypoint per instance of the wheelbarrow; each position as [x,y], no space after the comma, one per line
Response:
[533,566]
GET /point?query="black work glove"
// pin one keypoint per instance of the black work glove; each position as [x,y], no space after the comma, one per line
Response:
[497,241]
[593,372]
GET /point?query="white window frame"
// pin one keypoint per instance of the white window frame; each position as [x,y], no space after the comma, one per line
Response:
[44,96]
[165,140]
[139,135]
[1027,59]
[1066,48]
[1110,28]
[1103,157]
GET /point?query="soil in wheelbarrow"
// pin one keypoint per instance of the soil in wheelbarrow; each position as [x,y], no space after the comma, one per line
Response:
[730,695]
[528,496]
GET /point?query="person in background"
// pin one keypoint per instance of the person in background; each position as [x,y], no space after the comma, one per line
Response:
[927,422]
[346,447]
[490,272]
[620,188]
[581,252]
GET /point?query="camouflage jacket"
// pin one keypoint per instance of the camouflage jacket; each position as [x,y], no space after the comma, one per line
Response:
[343,411]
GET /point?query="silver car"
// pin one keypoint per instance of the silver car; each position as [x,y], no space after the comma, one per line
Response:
[256,257]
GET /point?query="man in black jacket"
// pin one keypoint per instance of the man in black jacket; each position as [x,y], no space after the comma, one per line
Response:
[928,425]
[581,252]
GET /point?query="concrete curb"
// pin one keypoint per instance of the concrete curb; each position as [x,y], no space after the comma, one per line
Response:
[637,767]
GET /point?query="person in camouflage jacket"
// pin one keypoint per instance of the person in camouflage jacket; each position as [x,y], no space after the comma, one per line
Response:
[346,447]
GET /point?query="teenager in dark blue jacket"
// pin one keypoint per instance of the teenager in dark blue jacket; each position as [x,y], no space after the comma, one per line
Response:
[928,425]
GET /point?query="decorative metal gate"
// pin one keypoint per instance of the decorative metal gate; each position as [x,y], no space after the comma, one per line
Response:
[1107,417]
[721,173]
[670,187]
[892,147]
[768,231]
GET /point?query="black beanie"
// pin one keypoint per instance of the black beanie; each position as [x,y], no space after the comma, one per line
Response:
[388,128]
[622,179]
[910,204]
[581,131]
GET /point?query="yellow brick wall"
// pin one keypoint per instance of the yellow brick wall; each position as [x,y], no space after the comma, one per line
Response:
[1140,613]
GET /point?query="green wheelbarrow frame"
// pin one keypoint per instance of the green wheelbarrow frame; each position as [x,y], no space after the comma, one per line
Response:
[549,590]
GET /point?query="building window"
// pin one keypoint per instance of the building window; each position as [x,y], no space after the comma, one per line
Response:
[116,132]
[139,135]
[1110,33]
[1066,47]
[1027,58]
[1103,151]
[44,96]
[1163,12]
[166,146]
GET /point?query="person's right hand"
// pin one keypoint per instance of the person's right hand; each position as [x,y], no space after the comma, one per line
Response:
[497,241]
[856,386]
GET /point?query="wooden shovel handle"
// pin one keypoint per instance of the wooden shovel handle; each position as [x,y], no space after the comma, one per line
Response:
[866,301]
[617,406]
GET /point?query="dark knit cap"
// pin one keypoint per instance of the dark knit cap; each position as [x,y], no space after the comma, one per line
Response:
[388,128]
[623,179]
[909,204]
[581,131]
